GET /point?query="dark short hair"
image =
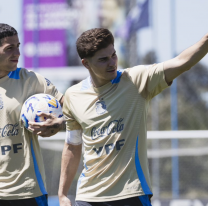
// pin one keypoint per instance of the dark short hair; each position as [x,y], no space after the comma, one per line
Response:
[93,40]
[6,30]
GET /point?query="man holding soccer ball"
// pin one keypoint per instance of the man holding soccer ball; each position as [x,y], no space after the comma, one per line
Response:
[22,178]
[107,113]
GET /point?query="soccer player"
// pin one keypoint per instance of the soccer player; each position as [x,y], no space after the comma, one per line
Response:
[22,178]
[107,113]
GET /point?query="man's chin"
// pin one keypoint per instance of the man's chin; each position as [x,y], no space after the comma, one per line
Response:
[112,77]
[13,69]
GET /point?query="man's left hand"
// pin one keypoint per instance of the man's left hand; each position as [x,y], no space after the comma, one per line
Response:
[50,127]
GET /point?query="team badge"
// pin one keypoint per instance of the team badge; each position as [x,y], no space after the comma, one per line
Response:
[48,82]
[101,107]
[1,102]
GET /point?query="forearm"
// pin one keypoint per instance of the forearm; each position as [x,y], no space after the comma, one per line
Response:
[187,59]
[70,162]
[194,54]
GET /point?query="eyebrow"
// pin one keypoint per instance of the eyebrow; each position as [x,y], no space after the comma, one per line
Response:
[102,58]
[12,45]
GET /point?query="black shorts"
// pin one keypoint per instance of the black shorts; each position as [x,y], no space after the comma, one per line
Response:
[37,201]
[133,201]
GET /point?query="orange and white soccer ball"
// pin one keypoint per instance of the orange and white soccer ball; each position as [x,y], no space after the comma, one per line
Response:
[39,103]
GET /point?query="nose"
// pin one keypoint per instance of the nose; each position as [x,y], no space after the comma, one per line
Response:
[113,61]
[17,52]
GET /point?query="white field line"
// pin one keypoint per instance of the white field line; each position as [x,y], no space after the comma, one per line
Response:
[200,151]
[184,134]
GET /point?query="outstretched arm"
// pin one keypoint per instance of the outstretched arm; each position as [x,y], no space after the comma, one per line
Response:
[187,59]
[70,161]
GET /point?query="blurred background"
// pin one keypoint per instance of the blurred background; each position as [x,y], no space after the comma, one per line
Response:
[146,32]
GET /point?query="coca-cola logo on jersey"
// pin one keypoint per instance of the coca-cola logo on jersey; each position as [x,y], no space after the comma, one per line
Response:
[113,127]
[9,130]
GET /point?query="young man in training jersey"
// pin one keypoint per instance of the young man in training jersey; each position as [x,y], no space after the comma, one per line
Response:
[22,178]
[107,113]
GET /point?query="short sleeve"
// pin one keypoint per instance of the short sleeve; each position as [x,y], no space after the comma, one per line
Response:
[48,87]
[35,83]
[71,123]
[149,79]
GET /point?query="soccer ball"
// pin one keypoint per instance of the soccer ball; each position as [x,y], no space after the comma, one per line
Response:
[39,103]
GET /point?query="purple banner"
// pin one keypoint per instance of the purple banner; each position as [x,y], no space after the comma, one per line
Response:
[45,24]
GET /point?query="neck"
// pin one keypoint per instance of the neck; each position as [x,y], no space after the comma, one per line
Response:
[96,83]
[3,74]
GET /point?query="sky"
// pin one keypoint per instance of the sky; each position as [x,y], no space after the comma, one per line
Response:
[10,13]
[190,26]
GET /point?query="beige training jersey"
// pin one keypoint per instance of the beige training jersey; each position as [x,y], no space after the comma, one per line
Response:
[21,165]
[113,120]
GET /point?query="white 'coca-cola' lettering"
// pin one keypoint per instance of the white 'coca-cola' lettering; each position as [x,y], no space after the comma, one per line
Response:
[112,127]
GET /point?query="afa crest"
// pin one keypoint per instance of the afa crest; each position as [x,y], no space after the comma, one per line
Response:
[1,102]
[101,107]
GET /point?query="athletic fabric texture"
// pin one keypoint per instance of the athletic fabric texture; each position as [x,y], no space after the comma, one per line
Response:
[22,173]
[113,121]
[37,201]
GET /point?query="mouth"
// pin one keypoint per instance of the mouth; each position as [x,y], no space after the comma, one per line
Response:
[14,60]
[112,70]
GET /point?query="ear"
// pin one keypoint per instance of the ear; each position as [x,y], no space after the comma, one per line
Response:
[85,63]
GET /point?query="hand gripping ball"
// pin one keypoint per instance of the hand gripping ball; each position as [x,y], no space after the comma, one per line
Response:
[39,103]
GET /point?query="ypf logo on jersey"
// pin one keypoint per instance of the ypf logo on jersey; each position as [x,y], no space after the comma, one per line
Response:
[1,102]
[101,107]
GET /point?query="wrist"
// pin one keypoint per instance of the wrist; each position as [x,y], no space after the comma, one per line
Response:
[61,195]
[62,123]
